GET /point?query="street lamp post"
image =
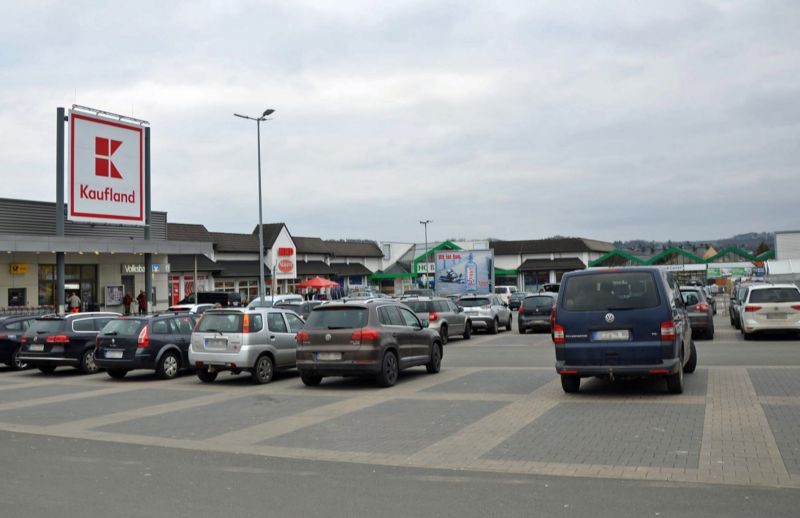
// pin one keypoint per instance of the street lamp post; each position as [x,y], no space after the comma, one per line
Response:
[259,120]
[427,278]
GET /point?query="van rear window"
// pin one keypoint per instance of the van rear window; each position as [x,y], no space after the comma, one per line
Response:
[604,291]
[474,302]
[337,318]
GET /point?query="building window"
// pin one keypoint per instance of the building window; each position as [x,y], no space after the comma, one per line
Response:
[226,286]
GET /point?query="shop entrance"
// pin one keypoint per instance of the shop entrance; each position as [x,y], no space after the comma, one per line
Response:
[128,285]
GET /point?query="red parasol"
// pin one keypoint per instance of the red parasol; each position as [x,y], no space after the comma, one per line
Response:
[318,282]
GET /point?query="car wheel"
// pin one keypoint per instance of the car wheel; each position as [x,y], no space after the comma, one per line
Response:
[17,364]
[435,365]
[205,375]
[389,370]
[737,324]
[467,330]
[443,334]
[117,374]
[262,370]
[88,366]
[731,319]
[691,365]
[510,322]
[47,369]
[493,327]
[710,334]
[675,382]
[747,336]
[522,330]
[570,384]
[168,366]
[310,380]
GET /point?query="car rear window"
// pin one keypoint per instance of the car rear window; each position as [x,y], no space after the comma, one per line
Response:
[123,326]
[221,322]
[337,318]
[419,306]
[473,303]
[604,291]
[691,297]
[538,301]
[46,326]
[775,295]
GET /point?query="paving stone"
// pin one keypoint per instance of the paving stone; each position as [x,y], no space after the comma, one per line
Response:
[775,382]
[93,406]
[631,434]
[785,423]
[43,391]
[398,426]
[206,421]
[496,382]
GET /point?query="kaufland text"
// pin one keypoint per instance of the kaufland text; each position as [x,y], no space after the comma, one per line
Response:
[107,194]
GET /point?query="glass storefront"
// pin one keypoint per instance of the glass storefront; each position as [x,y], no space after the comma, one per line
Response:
[78,278]
[534,280]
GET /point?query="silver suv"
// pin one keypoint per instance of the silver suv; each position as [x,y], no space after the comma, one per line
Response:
[259,341]
[486,312]
[442,315]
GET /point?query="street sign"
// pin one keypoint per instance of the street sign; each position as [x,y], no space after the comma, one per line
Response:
[106,170]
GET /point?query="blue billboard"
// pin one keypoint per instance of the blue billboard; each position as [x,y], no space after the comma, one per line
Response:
[462,272]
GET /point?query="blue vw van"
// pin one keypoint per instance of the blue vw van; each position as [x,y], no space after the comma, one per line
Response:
[622,322]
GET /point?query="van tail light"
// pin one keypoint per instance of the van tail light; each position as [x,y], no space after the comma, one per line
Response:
[558,334]
[24,339]
[668,333]
[433,316]
[521,308]
[3,336]
[245,323]
[58,339]
[365,335]
[97,341]
[796,307]
[553,317]
[702,307]
[752,309]
[144,337]
[303,338]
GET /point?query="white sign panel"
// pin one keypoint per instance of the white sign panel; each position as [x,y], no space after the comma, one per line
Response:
[106,171]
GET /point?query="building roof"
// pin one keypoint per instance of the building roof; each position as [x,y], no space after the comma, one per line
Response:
[313,268]
[185,263]
[240,269]
[227,242]
[271,233]
[561,264]
[552,245]
[352,269]
[311,245]
[352,248]
[187,232]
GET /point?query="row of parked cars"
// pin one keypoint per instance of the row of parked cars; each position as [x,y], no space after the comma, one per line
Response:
[758,307]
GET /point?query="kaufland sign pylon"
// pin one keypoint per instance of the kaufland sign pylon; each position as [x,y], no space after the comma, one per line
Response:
[106,170]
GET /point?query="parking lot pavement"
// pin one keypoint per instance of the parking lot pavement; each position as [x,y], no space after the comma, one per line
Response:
[496,406]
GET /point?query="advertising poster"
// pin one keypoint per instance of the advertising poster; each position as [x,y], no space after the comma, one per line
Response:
[462,272]
[114,295]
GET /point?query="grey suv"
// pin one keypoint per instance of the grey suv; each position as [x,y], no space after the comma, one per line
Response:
[259,341]
[442,315]
[486,312]
[377,338]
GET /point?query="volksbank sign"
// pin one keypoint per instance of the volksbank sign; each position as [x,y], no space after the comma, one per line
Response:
[139,268]
[106,170]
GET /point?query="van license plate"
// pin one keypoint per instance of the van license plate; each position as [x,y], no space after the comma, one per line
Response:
[114,354]
[216,343]
[329,356]
[612,336]
[36,347]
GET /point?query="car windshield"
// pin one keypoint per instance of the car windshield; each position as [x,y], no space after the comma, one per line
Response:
[418,306]
[604,291]
[538,301]
[775,295]
[474,302]
[124,326]
[221,323]
[337,318]
[46,326]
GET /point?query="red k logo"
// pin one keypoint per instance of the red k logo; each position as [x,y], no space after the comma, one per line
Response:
[104,149]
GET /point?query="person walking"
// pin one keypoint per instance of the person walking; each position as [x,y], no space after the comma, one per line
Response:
[74,303]
[126,301]
[142,300]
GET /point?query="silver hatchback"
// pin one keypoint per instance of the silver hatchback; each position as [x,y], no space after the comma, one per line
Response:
[259,341]
[442,315]
[486,312]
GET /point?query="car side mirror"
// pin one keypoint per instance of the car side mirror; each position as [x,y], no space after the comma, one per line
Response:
[424,324]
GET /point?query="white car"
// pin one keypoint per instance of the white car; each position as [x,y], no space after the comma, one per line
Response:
[269,301]
[770,307]
[504,292]
[197,309]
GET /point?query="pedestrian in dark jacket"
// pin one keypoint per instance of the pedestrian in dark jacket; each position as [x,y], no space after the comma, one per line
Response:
[142,300]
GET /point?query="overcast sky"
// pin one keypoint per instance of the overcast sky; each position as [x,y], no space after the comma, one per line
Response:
[515,120]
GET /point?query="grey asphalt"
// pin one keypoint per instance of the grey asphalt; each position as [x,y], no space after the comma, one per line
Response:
[89,479]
